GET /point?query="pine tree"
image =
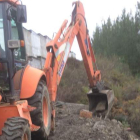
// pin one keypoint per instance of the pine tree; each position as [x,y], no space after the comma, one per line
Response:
[120,37]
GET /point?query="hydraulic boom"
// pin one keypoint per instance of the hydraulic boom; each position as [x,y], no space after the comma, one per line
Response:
[100,98]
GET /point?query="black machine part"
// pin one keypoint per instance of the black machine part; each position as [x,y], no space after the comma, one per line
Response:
[100,102]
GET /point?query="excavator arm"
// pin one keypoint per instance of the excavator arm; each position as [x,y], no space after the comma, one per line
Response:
[57,54]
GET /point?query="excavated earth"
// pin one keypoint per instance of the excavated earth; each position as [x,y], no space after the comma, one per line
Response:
[70,126]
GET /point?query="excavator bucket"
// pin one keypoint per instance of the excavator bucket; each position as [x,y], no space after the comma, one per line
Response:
[100,103]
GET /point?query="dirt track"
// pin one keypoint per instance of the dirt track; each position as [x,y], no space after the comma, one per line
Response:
[70,126]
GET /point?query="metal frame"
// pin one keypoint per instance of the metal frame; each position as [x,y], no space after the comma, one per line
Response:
[9,54]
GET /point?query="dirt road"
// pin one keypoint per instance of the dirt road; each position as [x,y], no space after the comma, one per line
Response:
[70,126]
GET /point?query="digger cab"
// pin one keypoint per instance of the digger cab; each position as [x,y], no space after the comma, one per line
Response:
[12,53]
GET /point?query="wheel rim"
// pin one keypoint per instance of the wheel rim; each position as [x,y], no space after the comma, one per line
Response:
[25,137]
[45,111]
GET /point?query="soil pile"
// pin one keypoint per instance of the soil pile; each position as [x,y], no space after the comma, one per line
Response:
[70,126]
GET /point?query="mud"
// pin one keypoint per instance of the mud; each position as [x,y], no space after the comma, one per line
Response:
[70,126]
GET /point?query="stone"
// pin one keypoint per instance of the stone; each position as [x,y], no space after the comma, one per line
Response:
[85,114]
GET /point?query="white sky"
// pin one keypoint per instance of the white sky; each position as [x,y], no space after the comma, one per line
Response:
[46,16]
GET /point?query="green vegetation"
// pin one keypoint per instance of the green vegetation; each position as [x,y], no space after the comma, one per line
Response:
[116,75]
[74,83]
[120,37]
[118,45]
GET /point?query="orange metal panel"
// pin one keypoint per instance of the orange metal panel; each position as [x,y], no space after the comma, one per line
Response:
[12,1]
[21,106]
[9,111]
[49,72]
[22,43]
[30,81]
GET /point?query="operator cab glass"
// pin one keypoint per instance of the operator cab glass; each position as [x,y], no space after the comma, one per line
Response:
[17,34]
[4,83]
[2,44]
[11,60]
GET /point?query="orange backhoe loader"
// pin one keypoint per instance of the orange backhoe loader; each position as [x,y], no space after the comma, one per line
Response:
[28,94]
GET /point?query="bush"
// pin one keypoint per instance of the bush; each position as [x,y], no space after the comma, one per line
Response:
[116,75]
[74,84]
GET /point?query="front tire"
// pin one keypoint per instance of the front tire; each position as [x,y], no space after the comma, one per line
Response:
[16,129]
[41,116]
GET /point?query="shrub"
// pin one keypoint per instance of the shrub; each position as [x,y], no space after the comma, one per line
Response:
[116,75]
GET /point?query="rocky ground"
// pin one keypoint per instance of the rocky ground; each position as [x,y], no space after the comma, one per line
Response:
[70,126]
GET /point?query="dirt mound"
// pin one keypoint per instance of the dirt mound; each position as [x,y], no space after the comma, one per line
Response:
[70,126]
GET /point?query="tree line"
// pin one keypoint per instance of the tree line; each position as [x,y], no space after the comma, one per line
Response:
[120,37]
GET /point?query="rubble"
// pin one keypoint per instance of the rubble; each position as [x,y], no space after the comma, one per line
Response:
[71,126]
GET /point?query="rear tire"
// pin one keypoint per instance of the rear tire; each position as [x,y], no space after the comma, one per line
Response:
[16,129]
[41,116]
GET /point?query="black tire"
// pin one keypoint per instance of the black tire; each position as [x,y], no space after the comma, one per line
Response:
[37,100]
[16,129]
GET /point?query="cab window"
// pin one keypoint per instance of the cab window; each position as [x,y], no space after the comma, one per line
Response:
[17,34]
[2,43]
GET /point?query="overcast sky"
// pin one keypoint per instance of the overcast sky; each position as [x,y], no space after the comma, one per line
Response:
[46,16]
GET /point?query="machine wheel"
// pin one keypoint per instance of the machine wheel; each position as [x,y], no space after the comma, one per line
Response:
[41,116]
[16,129]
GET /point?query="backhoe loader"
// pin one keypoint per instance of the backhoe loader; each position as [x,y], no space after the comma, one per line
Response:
[28,94]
